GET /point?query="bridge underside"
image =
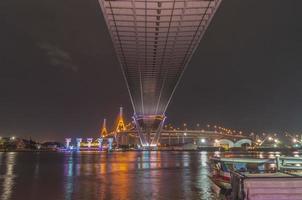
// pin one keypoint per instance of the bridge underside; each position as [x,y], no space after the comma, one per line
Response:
[149,128]
[154,41]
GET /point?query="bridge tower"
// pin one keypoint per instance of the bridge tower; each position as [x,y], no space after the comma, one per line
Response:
[120,122]
[104,131]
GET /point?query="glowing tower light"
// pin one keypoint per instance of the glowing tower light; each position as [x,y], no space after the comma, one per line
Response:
[120,122]
[67,141]
[100,140]
[104,131]
[110,141]
[89,141]
[79,140]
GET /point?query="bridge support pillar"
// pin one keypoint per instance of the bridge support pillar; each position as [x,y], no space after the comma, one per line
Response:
[157,133]
[110,141]
[67,141]
[100,140]
[89,141]
[79,140]
[149,128]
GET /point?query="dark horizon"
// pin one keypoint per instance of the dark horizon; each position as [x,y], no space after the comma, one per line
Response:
[60,76]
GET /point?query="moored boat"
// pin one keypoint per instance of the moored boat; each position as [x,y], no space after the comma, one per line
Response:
[221,171]
[255,179]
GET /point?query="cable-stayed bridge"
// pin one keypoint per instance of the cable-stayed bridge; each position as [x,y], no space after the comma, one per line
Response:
[126,133]
[154,41]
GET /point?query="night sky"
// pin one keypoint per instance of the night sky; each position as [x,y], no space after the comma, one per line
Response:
[60,76]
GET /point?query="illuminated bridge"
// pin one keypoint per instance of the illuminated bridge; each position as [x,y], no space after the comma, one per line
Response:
[154,41]
[126,134]
[181,137]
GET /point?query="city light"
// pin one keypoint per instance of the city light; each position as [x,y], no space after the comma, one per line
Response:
[202,140]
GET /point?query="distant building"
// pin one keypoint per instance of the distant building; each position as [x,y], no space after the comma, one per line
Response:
[12,143]
[51,146]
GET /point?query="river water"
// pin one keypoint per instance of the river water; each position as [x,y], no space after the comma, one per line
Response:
[158,175]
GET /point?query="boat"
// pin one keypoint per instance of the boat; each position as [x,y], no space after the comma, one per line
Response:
[254,179]
[221,169]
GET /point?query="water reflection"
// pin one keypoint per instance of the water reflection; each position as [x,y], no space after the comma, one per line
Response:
[68,174]
[205,182]
[37,168]
[117,175]
[8,159]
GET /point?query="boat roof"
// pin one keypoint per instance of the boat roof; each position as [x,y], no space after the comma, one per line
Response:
[270,175]
[243,160]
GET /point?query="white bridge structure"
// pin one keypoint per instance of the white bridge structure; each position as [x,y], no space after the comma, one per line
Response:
[154,41]
[230,143]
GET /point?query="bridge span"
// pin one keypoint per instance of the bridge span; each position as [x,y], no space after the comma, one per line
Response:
[127,134]
[178,137]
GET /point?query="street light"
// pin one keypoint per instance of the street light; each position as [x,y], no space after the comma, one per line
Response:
[202,140]
[266,138]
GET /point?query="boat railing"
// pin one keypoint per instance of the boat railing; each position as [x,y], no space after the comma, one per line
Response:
[237,185]
[285,163]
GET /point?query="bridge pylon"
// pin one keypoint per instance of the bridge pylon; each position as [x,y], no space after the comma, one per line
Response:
[104,131]
[149,129]
[120,122]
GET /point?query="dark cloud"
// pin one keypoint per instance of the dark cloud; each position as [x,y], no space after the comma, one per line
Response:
[58,57]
